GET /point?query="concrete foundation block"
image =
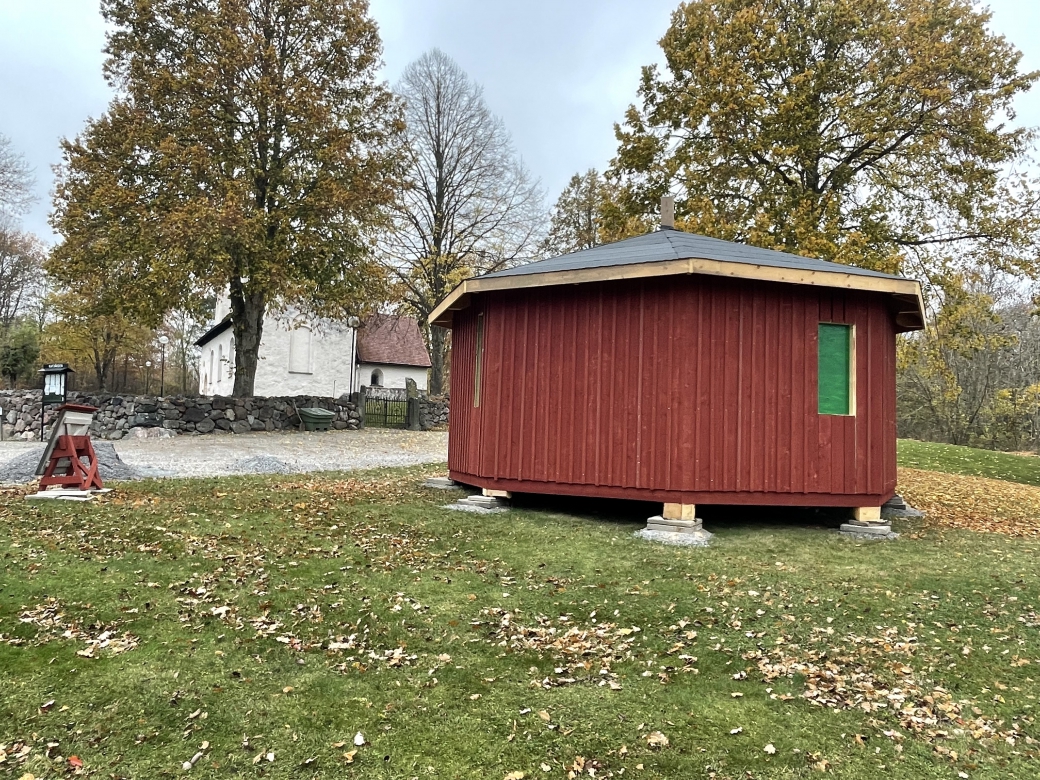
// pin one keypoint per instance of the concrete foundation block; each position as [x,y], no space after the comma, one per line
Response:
[894,509]
[856,530]
[480,503]
[673,525]
[487,502]
[698,538]
[441,483]
[669,530]
[896,502]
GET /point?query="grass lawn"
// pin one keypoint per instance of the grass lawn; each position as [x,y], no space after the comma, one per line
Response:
[968,460]
[265,621]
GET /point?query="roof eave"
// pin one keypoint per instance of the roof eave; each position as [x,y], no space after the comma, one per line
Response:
[397,364]
[907,291]
[213,332]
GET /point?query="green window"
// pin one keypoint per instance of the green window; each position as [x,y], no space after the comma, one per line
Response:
[835,375]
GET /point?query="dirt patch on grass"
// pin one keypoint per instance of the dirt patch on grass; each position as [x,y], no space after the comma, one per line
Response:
[973,503]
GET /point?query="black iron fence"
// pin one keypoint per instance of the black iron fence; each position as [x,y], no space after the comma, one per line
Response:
[386,413]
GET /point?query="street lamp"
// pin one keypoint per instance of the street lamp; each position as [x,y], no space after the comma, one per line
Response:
[147,375]
[353,322]
[163,341]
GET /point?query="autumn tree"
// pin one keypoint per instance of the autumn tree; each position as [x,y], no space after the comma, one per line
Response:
[21,270]
[470,206]
[91,342]
[183,328]
[862,131]
[19,349]
[249,147]
[575,221]
[16,180]
[950,372]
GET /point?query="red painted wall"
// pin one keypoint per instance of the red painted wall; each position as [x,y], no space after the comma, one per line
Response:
[688,389]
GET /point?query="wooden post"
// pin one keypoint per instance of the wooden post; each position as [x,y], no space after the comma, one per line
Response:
[679,512]
[867,514]
[668,212]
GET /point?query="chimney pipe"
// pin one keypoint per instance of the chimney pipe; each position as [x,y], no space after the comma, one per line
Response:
[668,212]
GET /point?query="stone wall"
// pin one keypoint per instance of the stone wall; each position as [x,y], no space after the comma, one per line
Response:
[121,415]
[433,411]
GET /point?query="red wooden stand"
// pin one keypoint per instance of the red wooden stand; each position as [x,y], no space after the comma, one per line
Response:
[73,473]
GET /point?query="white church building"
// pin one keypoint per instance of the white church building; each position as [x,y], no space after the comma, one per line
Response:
[325,359]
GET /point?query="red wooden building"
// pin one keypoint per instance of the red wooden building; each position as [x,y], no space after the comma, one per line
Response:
[682,369]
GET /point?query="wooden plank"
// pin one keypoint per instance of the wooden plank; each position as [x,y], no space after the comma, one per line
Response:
[699,419]
[906,291]
[695,388]
[785,358]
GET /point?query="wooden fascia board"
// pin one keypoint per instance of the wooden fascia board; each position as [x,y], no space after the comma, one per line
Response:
[459,297]
[455,300]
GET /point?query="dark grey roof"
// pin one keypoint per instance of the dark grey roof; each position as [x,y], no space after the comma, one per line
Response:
[213,332]
[670,244]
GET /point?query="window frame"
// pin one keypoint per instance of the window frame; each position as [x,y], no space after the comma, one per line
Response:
[851,330]
[294,345]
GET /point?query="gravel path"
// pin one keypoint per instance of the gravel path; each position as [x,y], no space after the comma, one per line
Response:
[259,453]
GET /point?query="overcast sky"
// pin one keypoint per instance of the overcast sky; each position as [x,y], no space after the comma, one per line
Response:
[559,72]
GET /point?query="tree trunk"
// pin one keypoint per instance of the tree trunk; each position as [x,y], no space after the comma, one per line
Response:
[438,337]
[247,320]
[99,368]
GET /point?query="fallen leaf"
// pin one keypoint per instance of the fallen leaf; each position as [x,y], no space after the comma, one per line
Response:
[544,715]
[770,749]
[657,739]
[349,756]
[75,762]
[514,776]
[545,767]
[737,730]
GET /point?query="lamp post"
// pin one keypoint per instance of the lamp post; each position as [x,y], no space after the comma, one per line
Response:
[163,341]
[353,322]
[147,376]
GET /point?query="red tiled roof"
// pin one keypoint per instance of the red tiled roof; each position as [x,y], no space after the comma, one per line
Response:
[386,338]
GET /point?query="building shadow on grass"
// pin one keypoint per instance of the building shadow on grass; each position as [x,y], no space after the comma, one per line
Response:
[716,518]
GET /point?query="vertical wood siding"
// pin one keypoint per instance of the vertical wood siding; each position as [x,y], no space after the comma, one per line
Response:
[694,389]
